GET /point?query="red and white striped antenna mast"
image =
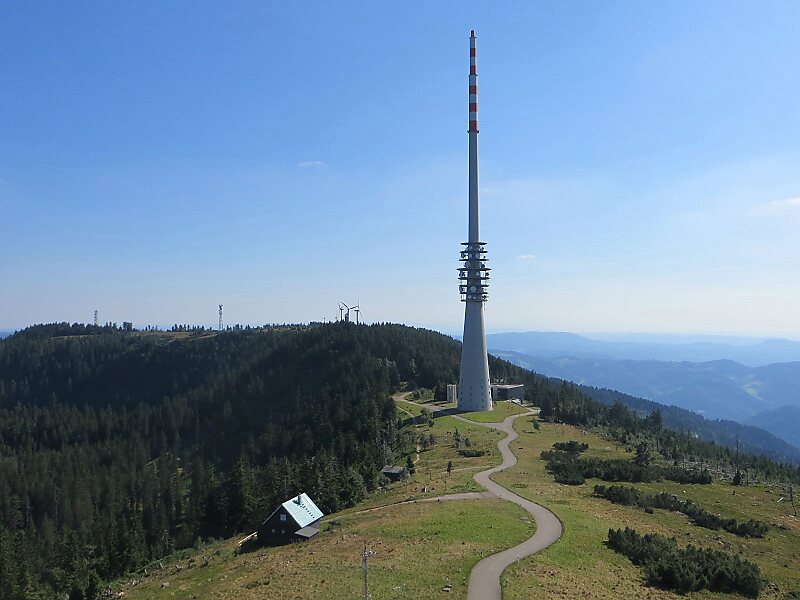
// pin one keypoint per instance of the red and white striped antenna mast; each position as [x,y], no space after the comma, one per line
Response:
[473,83]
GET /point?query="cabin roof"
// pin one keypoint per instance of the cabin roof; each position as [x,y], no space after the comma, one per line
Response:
[307,532]
[302,509]
[393,469]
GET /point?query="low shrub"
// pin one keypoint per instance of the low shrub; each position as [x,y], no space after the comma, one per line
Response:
[618,469]
[629,496]
[689,569]
[470,453]
[571,447]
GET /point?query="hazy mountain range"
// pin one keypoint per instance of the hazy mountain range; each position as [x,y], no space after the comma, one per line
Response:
[752,391]
[722,431]
[747,351]
[783,422]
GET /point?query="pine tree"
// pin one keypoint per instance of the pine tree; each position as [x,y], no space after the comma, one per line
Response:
[240,501]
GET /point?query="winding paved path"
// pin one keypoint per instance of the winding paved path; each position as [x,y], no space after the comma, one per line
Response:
[484,580]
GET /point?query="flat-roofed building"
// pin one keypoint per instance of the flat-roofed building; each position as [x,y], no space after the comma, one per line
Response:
[508,391]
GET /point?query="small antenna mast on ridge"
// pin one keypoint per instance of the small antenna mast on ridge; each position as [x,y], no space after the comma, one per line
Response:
[220,317]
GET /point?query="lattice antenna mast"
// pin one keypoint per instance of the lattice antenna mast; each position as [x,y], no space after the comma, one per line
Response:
[220,317]
[95,318]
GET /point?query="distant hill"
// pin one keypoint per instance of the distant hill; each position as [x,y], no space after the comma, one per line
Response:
[783,422]
[4,333]
[556,344]
[750,438]
[722,431]
[721,389]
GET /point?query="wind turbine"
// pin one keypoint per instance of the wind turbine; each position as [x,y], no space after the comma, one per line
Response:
[357,308]
[343,308]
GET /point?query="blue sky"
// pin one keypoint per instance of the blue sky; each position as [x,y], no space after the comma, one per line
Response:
[640,163]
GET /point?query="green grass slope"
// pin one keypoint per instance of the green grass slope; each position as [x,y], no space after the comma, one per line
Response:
[418,550]
[421,547]
[582,564]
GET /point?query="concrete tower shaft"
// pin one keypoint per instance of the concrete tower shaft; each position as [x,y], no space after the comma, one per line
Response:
[474,390]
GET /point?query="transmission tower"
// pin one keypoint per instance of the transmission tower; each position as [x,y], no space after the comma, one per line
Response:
[95,318]
[474,385]
[220,317]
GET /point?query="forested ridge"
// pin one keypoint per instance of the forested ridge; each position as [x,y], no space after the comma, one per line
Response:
[118,447]
[722,431]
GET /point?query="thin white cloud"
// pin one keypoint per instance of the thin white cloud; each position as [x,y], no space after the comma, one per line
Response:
[526,257]
[778,207]
[308,164]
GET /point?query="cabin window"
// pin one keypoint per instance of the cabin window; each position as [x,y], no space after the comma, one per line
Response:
[283,517]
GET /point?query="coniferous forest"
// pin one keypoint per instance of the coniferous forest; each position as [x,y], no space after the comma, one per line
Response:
[118,447]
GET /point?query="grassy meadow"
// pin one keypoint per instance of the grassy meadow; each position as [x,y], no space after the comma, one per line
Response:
[502,409]
[421,547]
[431,478]
[581,566]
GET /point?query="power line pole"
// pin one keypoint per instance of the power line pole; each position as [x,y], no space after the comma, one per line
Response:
[365,566]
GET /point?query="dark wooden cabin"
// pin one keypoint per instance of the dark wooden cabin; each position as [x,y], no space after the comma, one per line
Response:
[394,473]
[295,520]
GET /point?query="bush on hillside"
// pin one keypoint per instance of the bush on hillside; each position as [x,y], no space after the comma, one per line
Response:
[471,453]
[689,569]
[618,469]
[629,496]
[571,447]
